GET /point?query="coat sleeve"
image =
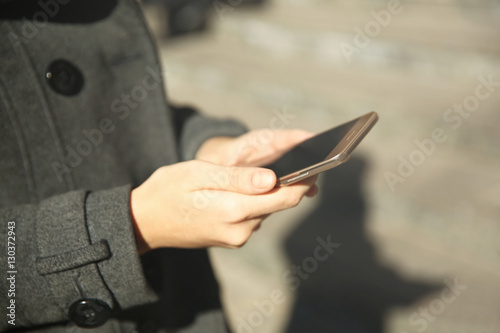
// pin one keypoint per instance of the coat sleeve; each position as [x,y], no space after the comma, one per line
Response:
[68,247]
[192,129]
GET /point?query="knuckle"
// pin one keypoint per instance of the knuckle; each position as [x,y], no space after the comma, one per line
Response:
[234,176]
[194,165]
[294,200]
[233,211]
[238,237]
[162,173]
[161,170]
[232,216]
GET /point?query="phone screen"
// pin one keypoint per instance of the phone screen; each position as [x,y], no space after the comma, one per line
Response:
[312,151]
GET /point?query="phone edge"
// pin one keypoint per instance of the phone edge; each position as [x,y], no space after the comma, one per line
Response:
[339,157]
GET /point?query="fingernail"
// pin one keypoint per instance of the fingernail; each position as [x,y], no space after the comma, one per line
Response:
[262,179]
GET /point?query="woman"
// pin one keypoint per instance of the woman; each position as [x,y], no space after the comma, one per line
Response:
[111,196]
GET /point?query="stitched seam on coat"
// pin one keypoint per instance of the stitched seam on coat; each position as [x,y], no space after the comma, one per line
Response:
[73,259]
[21,142]
[46,110]
[85,219]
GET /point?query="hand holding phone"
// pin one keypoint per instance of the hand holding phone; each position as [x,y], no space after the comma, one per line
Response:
[323,151]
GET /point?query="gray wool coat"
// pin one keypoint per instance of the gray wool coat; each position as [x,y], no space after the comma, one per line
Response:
[83,119]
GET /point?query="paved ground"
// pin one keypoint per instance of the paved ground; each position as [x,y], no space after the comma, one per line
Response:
[418,254]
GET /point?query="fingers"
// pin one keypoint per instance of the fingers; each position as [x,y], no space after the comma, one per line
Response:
[235,204]
[286,139]
[282,198]
[262,147]
[243,180]
[312,191]
[237,194]
[245,207]
[237,234]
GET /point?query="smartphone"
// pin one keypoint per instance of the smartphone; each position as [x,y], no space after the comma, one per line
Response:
[323,151]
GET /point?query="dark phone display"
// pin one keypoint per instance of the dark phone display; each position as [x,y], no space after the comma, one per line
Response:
[312,151]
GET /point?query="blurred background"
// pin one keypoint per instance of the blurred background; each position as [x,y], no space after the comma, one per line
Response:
[409,229]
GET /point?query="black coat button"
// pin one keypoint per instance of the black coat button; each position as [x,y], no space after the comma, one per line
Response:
[64,77]
[89,312]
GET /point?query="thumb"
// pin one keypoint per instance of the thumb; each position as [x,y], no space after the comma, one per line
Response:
[245,180]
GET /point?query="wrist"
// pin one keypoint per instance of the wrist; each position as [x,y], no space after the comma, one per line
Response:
[142,244]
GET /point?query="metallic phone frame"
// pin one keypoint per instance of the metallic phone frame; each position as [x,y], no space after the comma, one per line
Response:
[340,154]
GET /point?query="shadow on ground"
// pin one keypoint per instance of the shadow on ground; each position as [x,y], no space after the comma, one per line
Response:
[350,291]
